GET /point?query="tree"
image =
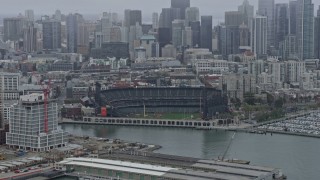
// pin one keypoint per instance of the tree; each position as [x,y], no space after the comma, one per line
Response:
[279,103]
[270,99]
[249,99]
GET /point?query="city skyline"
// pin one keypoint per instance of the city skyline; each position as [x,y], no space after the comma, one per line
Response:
[96,7]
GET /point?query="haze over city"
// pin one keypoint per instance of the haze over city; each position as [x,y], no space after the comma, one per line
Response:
[216,8]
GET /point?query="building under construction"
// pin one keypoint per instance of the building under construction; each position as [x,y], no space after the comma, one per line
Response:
[34,125]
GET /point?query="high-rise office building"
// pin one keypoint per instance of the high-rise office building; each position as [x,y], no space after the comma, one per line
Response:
[106,25]
[114,18]
[115,34]
[163,37]
[244,33]
[58,15]
[27,125]
[126,19]
[281,23]
[155,49]
[73,21]
[182,5]
[155,20]
[220,31]
[192,14]
[30,37]
[135,17]
[177,29]
[248,11]
[232,40]
[83,38]
[259,35]
[51,31]
[233,18]
[206,32]
[317,35]
[187,37]
[146,28]
[29,14]
[135,33]
[288,48]
[196,28]
[305,29]
[13,28]
[166,17]
[293,17]
[266,8]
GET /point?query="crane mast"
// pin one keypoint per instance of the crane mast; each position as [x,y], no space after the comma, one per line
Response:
[46,92]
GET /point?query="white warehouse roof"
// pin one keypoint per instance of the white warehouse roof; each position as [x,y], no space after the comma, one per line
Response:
[118,166]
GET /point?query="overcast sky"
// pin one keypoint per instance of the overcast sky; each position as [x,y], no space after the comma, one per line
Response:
[41,7]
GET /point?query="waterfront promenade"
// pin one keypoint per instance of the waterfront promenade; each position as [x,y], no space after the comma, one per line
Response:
[195,124]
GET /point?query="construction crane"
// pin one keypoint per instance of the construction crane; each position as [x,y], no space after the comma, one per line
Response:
[46,92]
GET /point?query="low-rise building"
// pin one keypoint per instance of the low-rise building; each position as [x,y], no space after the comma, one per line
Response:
[237,85]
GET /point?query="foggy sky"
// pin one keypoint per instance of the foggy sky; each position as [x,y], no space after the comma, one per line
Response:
[43,7]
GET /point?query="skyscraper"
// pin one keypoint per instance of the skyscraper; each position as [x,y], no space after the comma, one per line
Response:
[206,32]
[281,23]
[106,25]
[266,8]
[163,38]
[73,21]
[305,29]
[259,35]
[293,17]
[248,11]
[126,19]
[57,15]
[244,33]
[155,20]
[51,30]
[29,14]
[30,38]
[288,48]
[192,14]
[232,40]
[177,29]
[196,28]
[135,17]
[221,33]
[13,28]
[83,38]
[166,17]
[182,5]
[317,35]
[234,18]
[187,37]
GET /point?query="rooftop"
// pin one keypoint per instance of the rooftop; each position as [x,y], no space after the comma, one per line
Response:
[147,37]
[118,165]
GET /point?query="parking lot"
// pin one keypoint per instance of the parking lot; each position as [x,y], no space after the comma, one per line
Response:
[309,124]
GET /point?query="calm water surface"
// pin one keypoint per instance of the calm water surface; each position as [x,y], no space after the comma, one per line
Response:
[299,157]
